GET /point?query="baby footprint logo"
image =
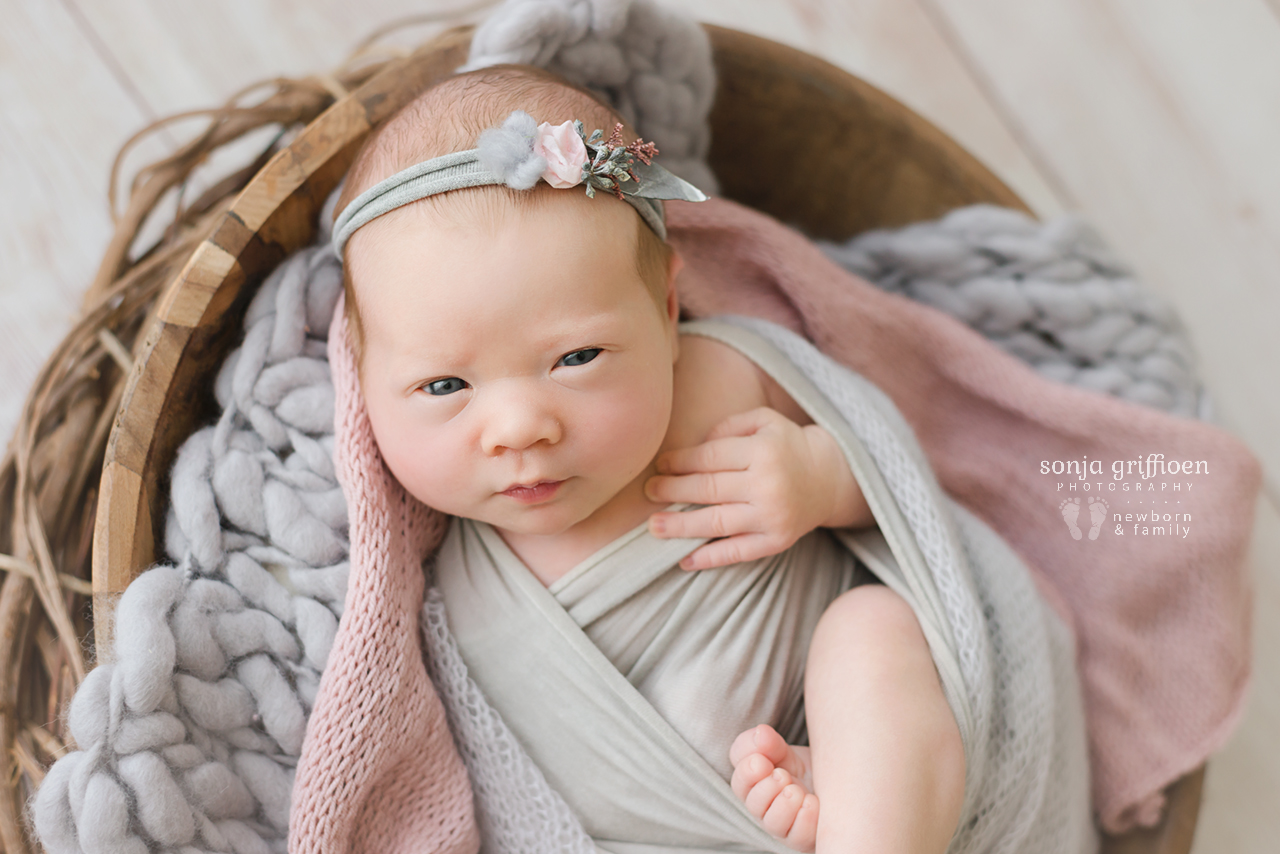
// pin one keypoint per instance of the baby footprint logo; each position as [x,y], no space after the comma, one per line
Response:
[1097,515]
[1070,508]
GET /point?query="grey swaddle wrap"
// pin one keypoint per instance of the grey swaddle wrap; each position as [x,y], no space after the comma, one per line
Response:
[640,751]
[1005,661]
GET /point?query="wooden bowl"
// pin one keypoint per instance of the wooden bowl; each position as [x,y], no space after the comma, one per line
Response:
[777,112]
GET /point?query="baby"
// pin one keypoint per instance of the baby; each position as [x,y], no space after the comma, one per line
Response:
[521,365]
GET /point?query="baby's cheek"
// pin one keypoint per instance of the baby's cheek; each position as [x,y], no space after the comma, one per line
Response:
[630,428]
[414,458]
[431,478]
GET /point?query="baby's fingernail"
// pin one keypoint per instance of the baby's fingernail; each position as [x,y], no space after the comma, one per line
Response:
[657,526]
[689,563]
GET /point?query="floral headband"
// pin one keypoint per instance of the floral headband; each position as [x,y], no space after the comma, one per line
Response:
[521,153]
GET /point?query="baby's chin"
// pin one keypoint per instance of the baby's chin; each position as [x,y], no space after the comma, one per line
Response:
[577,502]
[505,514]
[535,521]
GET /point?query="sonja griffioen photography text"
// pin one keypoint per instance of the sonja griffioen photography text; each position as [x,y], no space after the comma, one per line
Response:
[1152,481]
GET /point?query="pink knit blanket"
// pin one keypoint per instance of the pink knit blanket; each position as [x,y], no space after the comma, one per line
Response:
[1159,600]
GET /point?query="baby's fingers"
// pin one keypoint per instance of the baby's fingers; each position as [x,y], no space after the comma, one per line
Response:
[730,551]
[729,454]
[719,487]
[747,423]
[718,520]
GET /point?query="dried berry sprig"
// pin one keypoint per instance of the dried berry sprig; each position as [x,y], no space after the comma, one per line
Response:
[611,162]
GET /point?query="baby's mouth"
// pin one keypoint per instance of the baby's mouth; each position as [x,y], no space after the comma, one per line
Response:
[533,493]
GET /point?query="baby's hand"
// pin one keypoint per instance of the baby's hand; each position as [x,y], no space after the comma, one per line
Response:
[767,481]
[772,778]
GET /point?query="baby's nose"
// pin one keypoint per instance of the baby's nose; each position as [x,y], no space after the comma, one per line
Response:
[519,417]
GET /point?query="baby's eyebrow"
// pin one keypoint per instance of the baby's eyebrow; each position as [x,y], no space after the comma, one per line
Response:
[420,360]
[602,321]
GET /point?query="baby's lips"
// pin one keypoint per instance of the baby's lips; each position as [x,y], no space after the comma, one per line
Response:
[535,492]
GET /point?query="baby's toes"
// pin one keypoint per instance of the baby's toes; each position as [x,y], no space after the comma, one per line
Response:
[781,815]
[762,739]
[747,773]
[803,835]
[762,795]
[773,746]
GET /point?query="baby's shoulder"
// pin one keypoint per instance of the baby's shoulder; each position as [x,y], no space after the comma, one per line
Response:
[714,381]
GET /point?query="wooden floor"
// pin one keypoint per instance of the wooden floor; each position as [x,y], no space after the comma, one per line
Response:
[1159,120]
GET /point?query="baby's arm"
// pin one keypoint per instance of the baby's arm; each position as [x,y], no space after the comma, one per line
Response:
[768,481]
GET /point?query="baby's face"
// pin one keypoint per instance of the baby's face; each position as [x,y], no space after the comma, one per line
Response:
[519,374]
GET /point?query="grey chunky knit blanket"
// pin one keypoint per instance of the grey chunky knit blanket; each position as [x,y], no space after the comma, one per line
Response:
[187,741]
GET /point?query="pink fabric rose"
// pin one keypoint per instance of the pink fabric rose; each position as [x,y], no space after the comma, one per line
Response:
[565,153]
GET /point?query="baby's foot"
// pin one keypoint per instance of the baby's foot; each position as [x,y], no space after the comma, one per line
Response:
[1097,515]
[774,781]
[1070,512]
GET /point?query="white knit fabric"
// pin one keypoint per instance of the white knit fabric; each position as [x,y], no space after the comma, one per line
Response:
[187,742]
[516,809]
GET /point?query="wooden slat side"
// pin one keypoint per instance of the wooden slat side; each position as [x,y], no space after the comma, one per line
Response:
[898,166]
[120,507]
[185,303]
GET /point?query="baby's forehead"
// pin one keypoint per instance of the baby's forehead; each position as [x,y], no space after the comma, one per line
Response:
[541,235]
[451,327]
[451,115]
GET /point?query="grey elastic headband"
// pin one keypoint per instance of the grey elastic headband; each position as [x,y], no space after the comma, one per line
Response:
[507,156]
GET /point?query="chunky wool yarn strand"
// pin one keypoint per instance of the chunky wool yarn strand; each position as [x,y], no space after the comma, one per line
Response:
[1049,293]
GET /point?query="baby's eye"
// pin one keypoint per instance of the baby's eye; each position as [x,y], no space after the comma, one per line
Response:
[579,357]
[448,385]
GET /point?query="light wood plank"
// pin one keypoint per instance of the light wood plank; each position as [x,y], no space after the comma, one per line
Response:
[1108,124]
[185,55]
[1154,119]
[64,116]
[193,55]
[1220,67]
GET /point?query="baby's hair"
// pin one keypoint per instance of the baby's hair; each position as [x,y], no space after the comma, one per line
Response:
[449,117]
